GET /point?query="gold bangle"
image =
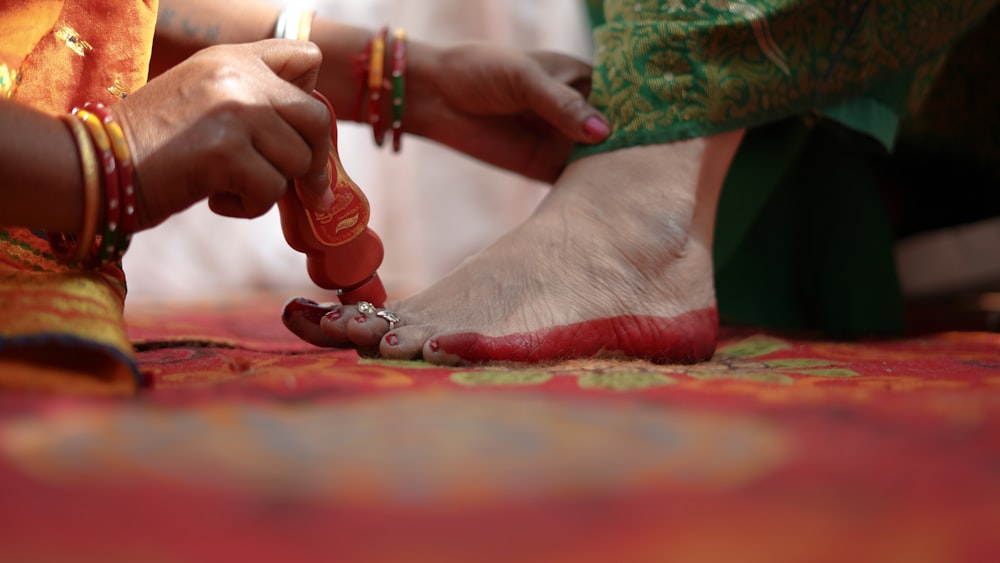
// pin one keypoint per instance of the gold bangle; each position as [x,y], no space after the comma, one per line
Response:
[91,189]
[376,61]
[305,25]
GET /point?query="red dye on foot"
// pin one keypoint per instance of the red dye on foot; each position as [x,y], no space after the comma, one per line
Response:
[333,315]
[361,319]
[687,338]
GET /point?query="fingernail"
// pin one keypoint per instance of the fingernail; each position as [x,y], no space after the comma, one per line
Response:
[392,340]
[332,315]
[322,181]
[596,127]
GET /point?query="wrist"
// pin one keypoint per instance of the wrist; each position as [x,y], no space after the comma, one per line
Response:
[423,60]
[40,166]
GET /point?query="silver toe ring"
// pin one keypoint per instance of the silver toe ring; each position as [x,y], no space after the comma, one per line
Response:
[391,317]
[365,308]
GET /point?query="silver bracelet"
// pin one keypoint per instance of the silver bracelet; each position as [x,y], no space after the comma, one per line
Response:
[295,21]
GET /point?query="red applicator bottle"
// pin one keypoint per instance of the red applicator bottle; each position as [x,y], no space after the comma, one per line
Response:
[342,253]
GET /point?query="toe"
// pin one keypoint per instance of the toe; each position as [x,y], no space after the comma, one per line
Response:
[434,352]
[405,343]
[335,325]
[365,331]
[304,317]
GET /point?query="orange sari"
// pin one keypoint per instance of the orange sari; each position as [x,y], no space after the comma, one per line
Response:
[62,328]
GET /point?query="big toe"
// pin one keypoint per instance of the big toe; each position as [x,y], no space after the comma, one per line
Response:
[304,318]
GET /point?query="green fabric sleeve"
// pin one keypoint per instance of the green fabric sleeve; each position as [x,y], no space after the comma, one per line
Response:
[677,69]
[824,88]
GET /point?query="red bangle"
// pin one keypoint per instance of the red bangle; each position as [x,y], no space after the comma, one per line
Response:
[376,68]
[370,69]
[126,176]
[360,67]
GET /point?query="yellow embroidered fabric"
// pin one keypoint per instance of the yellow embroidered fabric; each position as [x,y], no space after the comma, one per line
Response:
[62,328]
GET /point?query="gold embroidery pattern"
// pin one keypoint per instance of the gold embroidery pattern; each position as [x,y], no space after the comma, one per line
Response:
[683,68]
[9,79]
[761,32]
[72,39]
[118,90]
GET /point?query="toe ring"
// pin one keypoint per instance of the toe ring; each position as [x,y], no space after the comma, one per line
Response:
[390,317]
[366,308]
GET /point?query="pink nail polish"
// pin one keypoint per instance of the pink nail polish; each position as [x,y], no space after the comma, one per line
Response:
[596,127]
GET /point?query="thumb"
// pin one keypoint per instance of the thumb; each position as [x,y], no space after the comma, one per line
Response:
[565,108]
[294,61]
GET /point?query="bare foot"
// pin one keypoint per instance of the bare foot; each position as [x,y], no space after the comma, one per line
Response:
[615,262]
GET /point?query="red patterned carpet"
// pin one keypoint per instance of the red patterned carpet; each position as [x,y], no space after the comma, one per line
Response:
[252,446]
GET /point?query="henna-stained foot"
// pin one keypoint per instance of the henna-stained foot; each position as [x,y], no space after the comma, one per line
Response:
[615,262]
[687,338]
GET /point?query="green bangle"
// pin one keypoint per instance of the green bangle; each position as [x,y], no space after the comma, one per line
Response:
[398,86]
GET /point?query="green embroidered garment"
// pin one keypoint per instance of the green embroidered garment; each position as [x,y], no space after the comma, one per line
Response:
[824,88]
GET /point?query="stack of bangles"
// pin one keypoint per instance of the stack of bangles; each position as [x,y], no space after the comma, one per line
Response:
[109,217]
[295,22]
[372,81]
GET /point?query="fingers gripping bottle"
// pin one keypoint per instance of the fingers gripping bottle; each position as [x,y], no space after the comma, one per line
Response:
[342,253]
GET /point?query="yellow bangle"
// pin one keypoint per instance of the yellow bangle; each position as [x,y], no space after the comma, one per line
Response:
[76,253]
[376,62]
[305,25]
